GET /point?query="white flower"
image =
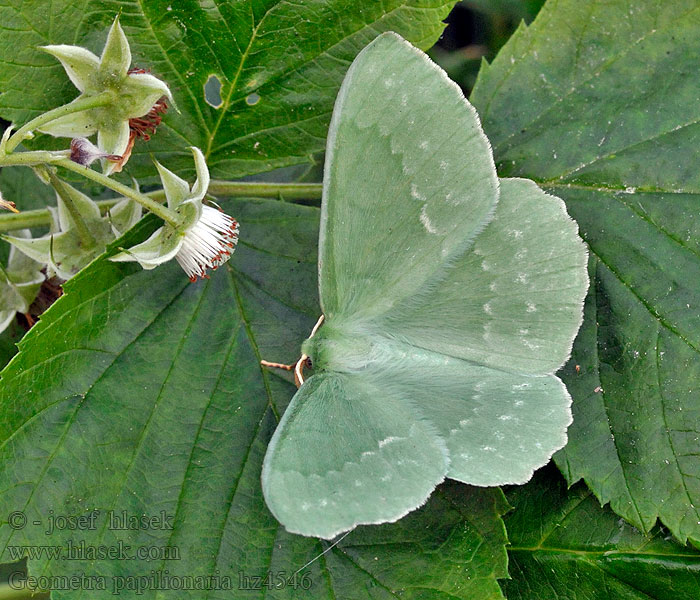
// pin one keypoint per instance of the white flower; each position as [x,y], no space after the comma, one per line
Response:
[206,237]
[208,244]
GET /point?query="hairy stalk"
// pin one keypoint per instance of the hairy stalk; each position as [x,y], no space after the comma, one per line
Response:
[67,109]
[284,191]
[32,159]
[159,210]
[257,189]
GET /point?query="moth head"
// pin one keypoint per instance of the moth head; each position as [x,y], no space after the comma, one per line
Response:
[316,351]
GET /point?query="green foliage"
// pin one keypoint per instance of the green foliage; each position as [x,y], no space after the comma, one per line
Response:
[563,545]
[9,573]
[8,342]
[280,65]
[156,401]
[607,119]
[507,9]
[477,30]
[140,392]
[26,189]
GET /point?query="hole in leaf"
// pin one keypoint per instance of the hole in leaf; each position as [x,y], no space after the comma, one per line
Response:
[252,99]
[212,91]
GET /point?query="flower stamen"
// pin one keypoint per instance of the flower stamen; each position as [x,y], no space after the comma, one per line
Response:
[208,244]
[145,126]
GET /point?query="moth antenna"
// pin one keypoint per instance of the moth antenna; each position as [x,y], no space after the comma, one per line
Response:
[299,370]
[333,545]
[318,324]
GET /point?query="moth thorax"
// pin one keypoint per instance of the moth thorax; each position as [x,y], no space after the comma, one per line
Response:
[331,350]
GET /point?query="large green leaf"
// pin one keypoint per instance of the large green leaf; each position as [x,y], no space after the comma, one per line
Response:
[563,545]
[598,102]
[8,342]
[279,65]
[140,392]
[9,574]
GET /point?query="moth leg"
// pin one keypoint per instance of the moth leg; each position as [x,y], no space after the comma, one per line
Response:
[274,365]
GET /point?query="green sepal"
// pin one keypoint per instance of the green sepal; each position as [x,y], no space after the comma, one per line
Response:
[6,316]
[201,184]
[116,55]
[23,273]
[80,64]
[77,124]
[19,283]
[5,136]
[124,215]
[161,247]
[140,91]
[176,189]
[89,211]
[113,138]
[190,212]
[37,249]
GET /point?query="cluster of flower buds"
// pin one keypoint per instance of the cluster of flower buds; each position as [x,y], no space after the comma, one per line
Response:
[135,97]
[120,104]
[76,239]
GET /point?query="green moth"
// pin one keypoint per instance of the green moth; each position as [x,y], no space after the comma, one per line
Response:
[450,299]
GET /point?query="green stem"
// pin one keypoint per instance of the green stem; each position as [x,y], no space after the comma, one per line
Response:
[31,159]
[66,195]
[25,220]
[257,189]
[159,210]
[41,217]
[67,109]
[286,191]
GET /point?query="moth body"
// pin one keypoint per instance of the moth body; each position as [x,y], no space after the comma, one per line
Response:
[450,299]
